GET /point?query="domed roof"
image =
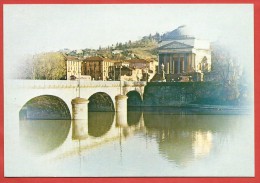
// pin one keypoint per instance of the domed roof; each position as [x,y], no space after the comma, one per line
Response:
[182,32]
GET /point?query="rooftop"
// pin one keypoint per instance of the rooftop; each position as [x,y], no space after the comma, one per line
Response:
[69,58]
[98,58]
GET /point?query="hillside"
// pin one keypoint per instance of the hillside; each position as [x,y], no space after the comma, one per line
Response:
[144,48]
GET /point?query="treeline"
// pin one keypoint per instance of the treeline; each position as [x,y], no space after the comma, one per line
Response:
[44,66]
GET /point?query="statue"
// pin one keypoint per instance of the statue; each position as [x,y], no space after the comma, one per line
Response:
[163,73]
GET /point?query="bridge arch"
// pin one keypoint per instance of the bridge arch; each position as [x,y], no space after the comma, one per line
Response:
[44,123]
[100,101]
[134,99]
[45,107]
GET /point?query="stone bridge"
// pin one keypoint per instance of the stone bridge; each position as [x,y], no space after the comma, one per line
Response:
[19,92]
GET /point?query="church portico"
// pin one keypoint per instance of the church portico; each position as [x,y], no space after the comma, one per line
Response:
[183,55]
[176,63]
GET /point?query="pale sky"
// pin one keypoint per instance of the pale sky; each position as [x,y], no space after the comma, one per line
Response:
[30,29]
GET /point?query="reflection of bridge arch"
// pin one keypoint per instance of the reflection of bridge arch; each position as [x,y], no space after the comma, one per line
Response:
[45,107]
[134,98]
[133,117]
[99,123]
[100,101]
[42,136]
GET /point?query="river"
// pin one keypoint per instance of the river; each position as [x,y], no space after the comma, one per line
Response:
[153,142]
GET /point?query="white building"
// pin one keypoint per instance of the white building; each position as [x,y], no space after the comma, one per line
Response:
[181,54]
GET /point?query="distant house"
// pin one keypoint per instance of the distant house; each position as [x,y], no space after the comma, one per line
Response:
[147,67]
[132,70]
[73,67]
[97,67]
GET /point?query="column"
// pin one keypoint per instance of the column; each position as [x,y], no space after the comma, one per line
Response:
[168,64]
[173,65]
[193,62]
[185,63]
[79,118]
[182,64]
[179,64]
[170,60]
[189,62]
[165,64]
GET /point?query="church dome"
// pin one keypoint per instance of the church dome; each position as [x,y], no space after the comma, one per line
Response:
[182,32]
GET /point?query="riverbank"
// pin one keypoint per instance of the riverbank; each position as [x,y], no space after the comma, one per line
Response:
[208,94]
[195,109]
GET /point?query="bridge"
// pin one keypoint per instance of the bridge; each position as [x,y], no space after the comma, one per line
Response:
[19,92]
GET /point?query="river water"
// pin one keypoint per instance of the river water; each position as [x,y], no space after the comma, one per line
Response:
[152,142]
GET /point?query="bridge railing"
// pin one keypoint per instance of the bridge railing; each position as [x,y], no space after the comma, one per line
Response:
[84,83]
[70,83]
[43,83]
[134,83]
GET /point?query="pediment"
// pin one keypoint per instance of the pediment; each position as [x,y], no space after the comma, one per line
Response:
[175,45]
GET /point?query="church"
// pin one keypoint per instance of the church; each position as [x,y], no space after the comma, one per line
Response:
[182,57]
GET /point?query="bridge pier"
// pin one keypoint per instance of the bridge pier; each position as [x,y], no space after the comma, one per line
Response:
[121,103]
[79,118]
[79,108]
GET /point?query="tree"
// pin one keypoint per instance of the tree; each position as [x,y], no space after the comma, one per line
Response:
[225,67]
[225,70]
[26,68]
[48,66]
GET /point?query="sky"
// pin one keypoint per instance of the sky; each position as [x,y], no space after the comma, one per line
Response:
[31,29]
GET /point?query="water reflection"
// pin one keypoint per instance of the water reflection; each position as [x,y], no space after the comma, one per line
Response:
[121,119]
[133,117]
[178,137]
[202,143]
[99,123]
[185,138]
[42,136]
[79,129]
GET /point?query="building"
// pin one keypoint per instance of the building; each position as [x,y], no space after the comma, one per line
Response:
[97,67]
[73,67]
[147,67]
[183,56]
[132,70]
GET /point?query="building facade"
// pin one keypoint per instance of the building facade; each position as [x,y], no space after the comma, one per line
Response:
[97,67]
[73,67]
[183,55]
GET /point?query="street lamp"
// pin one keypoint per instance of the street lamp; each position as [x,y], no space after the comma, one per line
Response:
[94,71]
[114,72]
[104,75]
[120,79]
[79,77]
[120,67]
[146,74]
